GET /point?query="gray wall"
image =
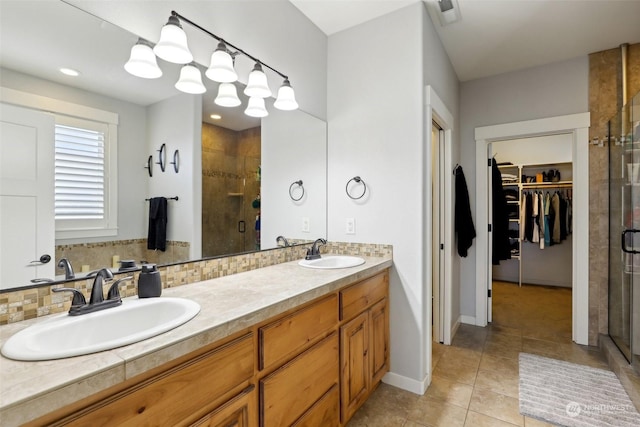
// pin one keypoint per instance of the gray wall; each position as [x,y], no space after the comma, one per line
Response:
[376,130]
[551,90]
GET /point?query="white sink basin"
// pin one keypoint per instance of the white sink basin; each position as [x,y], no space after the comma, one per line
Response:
[65,336]
[332,261]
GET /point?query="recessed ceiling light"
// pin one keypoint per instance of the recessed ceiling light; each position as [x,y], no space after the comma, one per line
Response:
[216,116]
[69,72]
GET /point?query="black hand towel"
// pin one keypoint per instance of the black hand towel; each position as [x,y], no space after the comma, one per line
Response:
[157,238]
[463,222]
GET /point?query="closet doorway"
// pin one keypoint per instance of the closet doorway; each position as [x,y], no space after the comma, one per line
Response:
[532,249]
[576,126]
[438,232]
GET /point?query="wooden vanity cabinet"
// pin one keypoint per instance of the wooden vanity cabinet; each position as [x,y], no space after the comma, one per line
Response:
[364,341]
[180,395]
[312,366]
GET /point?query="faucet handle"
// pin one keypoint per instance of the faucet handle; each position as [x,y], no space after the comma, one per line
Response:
[78,297]
[114,292]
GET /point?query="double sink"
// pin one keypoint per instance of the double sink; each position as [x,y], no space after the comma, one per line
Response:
[137,319]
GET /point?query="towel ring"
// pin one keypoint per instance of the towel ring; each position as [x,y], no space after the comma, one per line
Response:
[358,180]
[162,157]
[149,166]
[299,184]
[176,161]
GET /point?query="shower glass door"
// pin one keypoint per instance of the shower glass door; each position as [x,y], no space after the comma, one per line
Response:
[624,230]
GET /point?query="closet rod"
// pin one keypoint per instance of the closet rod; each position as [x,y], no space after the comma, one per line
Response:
[549,185]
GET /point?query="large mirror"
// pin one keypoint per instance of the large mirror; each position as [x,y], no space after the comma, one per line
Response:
[231,182]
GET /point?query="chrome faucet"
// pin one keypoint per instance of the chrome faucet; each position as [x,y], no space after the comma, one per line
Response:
[96,301]
[68,270]
[283,240]
[314,251]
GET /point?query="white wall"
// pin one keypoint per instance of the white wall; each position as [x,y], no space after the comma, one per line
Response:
[551,90]
[131,146]
[376,131]
[177,122]
[274,31]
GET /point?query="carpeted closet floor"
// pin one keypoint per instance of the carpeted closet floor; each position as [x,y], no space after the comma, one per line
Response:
[475,380]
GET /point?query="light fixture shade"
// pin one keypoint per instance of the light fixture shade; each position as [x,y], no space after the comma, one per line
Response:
[142,62]
[227,95]
[257,86]
[256,108]
[190,80]
[286,97]
[221,68]
[172,46]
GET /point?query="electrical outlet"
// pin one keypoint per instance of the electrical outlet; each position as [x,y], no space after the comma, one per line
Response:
[351,226]
[305,224]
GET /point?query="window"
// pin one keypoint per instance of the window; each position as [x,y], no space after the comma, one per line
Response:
[83,185]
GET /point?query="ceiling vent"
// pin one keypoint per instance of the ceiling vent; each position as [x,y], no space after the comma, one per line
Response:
[447,11]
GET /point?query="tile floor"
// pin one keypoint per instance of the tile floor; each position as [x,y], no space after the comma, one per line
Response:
[475,380]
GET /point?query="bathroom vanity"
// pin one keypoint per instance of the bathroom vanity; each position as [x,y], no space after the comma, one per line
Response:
[277,346]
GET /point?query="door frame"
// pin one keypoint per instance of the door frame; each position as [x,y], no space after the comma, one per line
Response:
[578,126]
[436,110]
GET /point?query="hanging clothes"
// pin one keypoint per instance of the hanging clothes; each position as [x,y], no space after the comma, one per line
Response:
[536,218]
[555,218]
[528,224]
[463,221]
[500,220]
[547,230]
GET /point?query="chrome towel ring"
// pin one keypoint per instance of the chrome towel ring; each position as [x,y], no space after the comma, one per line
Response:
[291,190]
[356,180]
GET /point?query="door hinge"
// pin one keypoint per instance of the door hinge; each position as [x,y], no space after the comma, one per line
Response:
[489,293]
[489,228]
[441,246]
[489,162]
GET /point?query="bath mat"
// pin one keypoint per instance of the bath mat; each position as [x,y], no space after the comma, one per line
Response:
[567,394]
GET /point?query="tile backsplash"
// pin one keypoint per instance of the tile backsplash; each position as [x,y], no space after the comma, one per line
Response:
[23,304]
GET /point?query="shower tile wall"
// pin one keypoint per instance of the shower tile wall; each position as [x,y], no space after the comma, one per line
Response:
[230,161]
[605,100]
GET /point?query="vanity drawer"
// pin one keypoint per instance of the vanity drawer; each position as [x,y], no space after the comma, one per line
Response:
[356,298]
[181,394]
[325,412]
[286,394]
[290,335]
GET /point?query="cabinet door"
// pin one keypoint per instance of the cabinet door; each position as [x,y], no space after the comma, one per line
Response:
[355,371]
[241,411]
[379,344]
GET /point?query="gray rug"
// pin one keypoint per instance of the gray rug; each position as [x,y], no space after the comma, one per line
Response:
[567,394]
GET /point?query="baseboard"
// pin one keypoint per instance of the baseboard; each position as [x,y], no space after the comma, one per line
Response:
[406,383]
[455,327]
[467,320]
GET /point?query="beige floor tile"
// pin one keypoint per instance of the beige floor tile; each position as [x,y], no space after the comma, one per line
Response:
[534,346]
[532,422]
[463,355]
[475,419]
[496,405]
[376,418]
[433,413]
[502,349]
[505,330]
[498,382]
[444,390]
[412,424]
[392,400]
[453,370]
[499,364]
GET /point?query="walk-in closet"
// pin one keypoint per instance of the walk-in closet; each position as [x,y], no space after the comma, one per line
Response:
[532,229]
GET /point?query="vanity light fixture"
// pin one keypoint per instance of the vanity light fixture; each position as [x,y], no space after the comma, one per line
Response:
[227,95]
[142,62]
[173,47]
[221,69]
[256,107]
[190,79]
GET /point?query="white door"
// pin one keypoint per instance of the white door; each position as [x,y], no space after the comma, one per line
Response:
[27,225]
[437,232]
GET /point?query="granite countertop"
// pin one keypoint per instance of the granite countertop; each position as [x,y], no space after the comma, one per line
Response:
[229,304]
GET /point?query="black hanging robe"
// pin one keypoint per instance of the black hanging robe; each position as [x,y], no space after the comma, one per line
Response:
[463,222]
[500,229]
